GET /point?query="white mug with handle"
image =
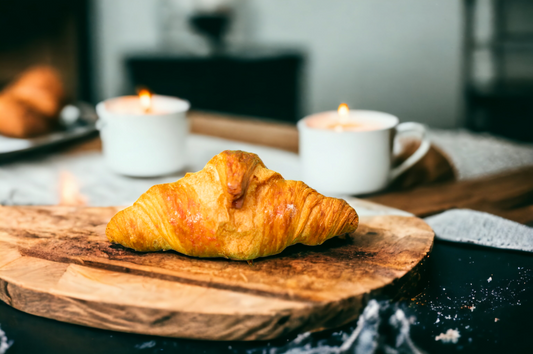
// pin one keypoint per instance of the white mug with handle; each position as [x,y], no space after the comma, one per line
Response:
[354,156]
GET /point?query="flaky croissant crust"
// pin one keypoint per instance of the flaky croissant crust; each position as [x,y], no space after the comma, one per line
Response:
[234,208]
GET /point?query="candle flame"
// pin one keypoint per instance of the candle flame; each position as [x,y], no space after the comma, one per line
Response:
[69,190]
[145,98]
[343,110]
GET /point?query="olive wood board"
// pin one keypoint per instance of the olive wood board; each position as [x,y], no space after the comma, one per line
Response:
[56,262]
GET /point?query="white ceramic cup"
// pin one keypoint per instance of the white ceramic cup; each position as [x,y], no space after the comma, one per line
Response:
[352,162]
[141,144]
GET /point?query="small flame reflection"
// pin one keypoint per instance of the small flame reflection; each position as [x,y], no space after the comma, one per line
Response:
[145,97]
[69,191]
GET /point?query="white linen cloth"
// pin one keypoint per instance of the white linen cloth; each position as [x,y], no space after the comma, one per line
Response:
[470,226]
[35,181]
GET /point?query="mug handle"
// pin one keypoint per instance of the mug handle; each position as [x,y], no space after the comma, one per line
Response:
[99,124]
[418,154]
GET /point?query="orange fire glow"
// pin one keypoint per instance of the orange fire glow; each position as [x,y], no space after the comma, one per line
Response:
[69,191]
[145,98]
[343,110]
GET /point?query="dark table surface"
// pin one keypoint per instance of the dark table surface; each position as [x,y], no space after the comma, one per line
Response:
[498,283]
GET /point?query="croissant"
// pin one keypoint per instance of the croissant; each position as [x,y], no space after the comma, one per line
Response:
[234,208]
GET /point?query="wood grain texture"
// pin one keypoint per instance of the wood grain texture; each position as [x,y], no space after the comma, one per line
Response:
[509,195]
[282,136]
[56,262]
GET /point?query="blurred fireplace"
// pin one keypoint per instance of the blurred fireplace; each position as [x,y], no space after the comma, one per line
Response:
[54,32]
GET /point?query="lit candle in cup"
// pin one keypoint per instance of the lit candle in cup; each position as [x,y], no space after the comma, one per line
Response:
[143,135]
[350,152]
[346,120]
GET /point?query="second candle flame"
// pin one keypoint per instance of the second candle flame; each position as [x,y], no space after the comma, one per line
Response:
[145,98]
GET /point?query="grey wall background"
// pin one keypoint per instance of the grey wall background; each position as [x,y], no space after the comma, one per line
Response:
[397,56]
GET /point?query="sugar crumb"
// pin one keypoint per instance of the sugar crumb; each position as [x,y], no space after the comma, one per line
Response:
[451,336]
[4,343]
[146,345]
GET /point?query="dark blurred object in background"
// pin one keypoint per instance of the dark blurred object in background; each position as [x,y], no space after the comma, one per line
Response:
[256,81]
[214,26]
[502,104]
[52,32]
[253,82]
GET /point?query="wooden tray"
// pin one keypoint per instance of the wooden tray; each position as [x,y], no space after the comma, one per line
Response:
[55,262]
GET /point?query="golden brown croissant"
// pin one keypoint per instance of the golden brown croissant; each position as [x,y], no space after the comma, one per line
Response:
[234,208]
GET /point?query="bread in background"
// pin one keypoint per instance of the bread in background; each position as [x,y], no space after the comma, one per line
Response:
[30,105]
[40,87]
[18,120]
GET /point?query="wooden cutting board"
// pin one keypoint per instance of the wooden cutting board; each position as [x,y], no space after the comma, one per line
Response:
[55,262]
